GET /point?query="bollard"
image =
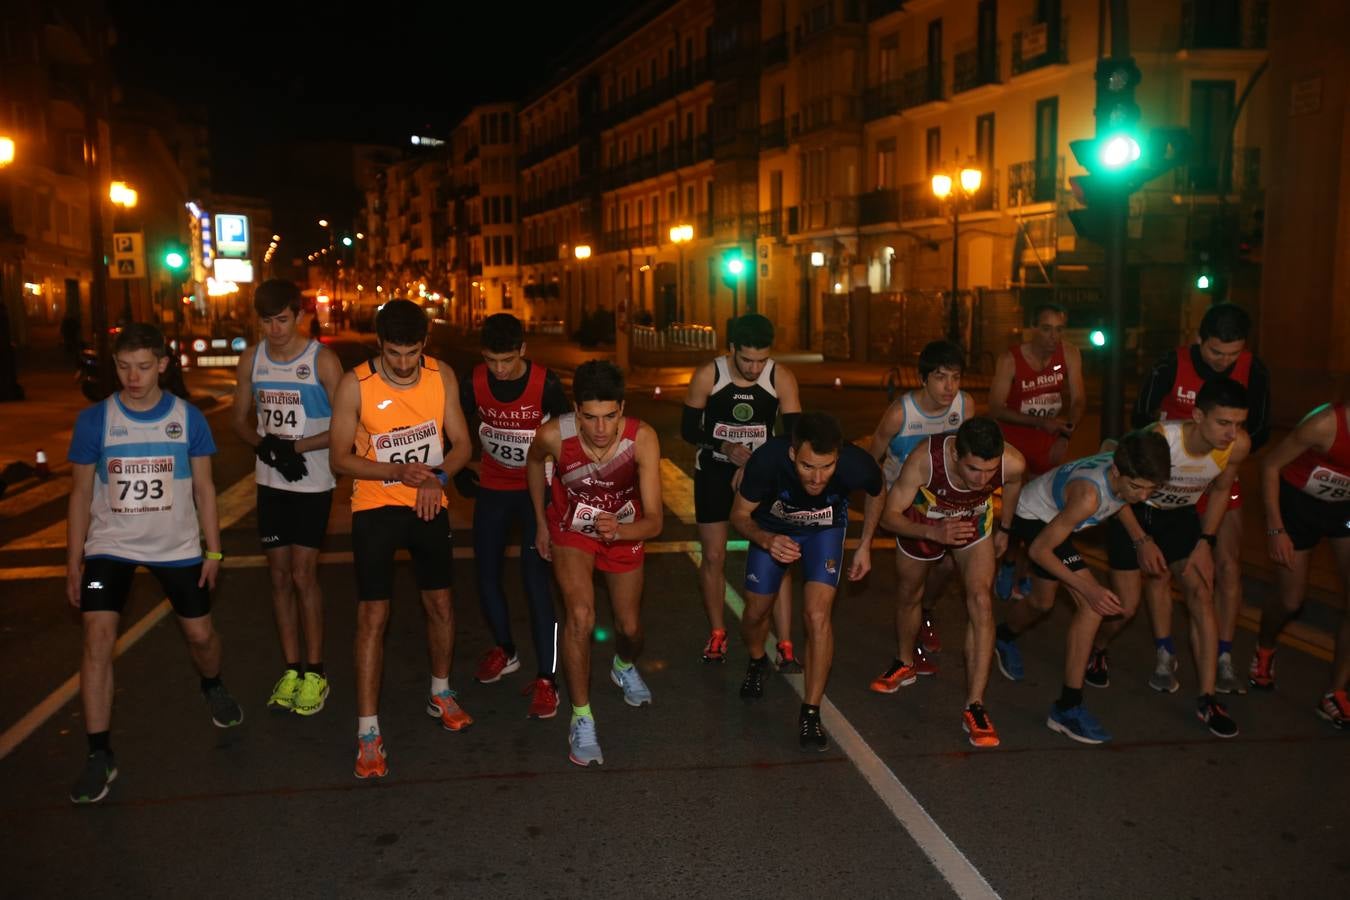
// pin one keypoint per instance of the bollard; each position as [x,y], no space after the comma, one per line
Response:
[41,464]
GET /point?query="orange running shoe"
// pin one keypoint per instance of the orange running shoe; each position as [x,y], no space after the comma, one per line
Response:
[445,707]
[976,722]
[370,757]
[897,676]
[543,699]
[1261,675]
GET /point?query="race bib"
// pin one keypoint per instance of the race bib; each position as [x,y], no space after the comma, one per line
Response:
[281,412]
[416,443]
[1176,496]
[1325,484]
[822,517]
[1043,405]
[507,446]
[754,434]
[140,484]
[583,517]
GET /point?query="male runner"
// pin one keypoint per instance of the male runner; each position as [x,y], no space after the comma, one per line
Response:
[287,381]
[392,418]
[1050,510]
[938,406]
[141,495]
[793,505]
[1305,481]
[1169,393]
[1165,536]
[1037,397]
[729,412]
[510,396]
[605,502]
[942,502]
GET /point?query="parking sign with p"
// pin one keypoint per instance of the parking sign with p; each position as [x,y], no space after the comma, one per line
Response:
[232,235]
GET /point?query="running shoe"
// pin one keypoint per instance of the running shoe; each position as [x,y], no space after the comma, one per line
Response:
[1335,708]
[1227,681]
[225,712]
[928,636]
[371,761]
[1003,581]
[894,678]
[445,706]
[284,691]
[635,690]
[493,664]
[787,662]
[1261,675]
[976,722]
[1076,723]
[1098,674]
[99,772]
[811,734]
[543,699]
[922,664]
[752,688]
[716,648]
[1164,677]
[1213,714]
[312,694]
[1009,660]
[583,746]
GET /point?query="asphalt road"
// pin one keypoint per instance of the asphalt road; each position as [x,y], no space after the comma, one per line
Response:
[700,793]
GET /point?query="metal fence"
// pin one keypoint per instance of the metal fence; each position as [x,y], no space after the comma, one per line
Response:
[675,336]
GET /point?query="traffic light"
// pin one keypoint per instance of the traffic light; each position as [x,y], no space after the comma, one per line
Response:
[346,240]
[1097,337]
[175,259]
[733,269]
[1202,281]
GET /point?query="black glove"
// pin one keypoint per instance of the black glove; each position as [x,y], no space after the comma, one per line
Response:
[288,462]
[466,482]
[267,449]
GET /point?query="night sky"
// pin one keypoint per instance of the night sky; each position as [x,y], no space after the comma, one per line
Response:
[282,71]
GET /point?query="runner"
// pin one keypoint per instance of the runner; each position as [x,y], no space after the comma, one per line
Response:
[1305,481]
[938,406]
[942,502]
[282,403]
[605,501]
[729,412]
[392,419]
[1169,393]
[1050,511]
[1037,397]
[509,397]
[793,505]
[141,495]
[1166,536]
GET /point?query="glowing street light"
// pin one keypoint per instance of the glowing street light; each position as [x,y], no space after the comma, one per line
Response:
[679,236]
[122,195]
[582,251]
[944,188]
[6,151]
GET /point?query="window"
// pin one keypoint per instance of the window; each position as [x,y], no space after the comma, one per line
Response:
[1211,111]
[886,164]
[507,216]
[1047,149]
[689,209]
[933,150]
[508,247]
[671,209]
[496,259]
[506,295]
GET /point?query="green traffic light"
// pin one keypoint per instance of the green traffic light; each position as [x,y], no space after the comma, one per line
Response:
[1097,337]
[174,260]
[346,241]
[736,266]
[1119,151]
[601,634]
[1202,282]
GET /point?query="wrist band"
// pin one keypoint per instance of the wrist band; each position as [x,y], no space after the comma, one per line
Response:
[214,554]
[1271,532]
[1142,541]
[443,478]
[1003,528]
[1209,539]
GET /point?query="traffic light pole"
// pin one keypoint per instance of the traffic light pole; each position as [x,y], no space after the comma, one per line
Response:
[1113,394]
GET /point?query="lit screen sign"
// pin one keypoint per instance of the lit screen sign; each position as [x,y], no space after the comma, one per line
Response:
[239,271]
[231,235]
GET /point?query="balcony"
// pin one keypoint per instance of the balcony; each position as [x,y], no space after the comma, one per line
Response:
[1237,25]
[535,256]
[881,205]
[544,150]
[878,8]
[919,84]
[629,238]
[1040,44]
[773,135]
[1207,176]
[475,268]
[1035,181]
[974,66]
[739,227]
[917,202]
[836,212]
[771,223]
[827,112]
[774,51]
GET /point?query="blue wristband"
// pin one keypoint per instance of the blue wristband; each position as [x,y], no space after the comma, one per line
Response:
[443,478]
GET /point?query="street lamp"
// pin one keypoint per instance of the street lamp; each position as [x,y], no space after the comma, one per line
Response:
[679,236]
[582,252]
[945,189]
[6,151]
[124,197]
[10,389]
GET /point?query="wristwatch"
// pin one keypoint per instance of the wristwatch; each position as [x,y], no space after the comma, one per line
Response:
[1209,539]
[1271,532]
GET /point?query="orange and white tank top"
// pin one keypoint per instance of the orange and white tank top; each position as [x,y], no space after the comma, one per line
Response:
[398,424]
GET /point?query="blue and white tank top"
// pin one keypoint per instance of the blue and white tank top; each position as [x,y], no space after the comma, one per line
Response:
[915,425]
[292,404]
[1043,499]
[143,509]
